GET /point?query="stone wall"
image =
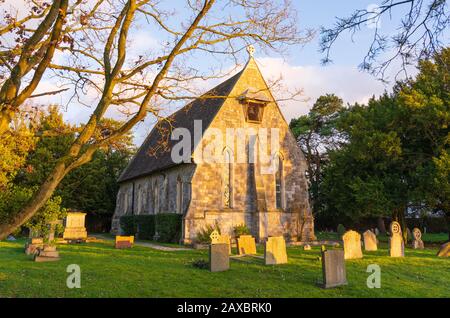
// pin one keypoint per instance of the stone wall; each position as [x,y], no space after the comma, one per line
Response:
[251,185]
[253,195]
[164,184]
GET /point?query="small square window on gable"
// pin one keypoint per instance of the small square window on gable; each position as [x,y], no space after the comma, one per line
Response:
[253,104]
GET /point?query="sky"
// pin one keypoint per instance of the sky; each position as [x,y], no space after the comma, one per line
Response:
[300,67]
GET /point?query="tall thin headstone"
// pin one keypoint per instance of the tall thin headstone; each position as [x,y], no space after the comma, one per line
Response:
[396,243]
[417,242]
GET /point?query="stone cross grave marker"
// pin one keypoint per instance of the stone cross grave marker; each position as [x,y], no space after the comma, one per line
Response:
[217,238]
[333,268]
[370,241]
[396,243]
[352,245]
[275,251]
[417,242]
[214,236]
[246,245]
[219,257]
[51,233]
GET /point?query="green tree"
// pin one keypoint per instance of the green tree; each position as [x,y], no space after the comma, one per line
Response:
[316,135]
[396,150]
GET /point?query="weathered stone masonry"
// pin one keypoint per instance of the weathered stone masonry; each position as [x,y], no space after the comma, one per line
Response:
[153,184]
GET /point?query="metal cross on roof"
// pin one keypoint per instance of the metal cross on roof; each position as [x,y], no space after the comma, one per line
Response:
[251,50]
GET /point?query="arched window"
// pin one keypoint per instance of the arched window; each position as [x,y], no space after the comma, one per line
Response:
[179,195]
[155,198]
[228,179]
[279,188]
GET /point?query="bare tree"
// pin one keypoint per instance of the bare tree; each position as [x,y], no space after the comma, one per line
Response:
[141,85]
[422,32]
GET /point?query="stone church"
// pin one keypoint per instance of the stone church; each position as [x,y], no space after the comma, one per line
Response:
[269,196]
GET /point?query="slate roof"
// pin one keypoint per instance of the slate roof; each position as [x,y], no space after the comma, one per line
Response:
[155,153]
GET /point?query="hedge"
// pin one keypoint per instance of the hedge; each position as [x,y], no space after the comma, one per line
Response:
[128,225]
[168,226]
[144,227]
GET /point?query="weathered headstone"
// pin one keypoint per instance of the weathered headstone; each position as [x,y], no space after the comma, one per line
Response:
[124,242]
[333,268]
[219,258]
[352,245]
[47,254]
[417,242]
[444,251]
[377,231]
[32,246]
[275,251]
[306,247]
[74,227]
[396,243]
[370,241]
[246,245]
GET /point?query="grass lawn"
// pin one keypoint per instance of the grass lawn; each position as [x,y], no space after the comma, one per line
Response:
[145,272]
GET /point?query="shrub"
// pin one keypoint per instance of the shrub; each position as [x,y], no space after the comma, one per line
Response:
[241,229]
[168,226]
[203,236]
[200,264]
[341,229]
[128,224]
[145,225]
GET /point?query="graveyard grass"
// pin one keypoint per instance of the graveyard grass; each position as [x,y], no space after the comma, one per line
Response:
[145,272]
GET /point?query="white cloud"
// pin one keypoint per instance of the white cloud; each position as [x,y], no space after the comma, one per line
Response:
[346,82]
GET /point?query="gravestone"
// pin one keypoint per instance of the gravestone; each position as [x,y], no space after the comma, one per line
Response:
[333,268]
[417,242]
[370,241]
[444,251]
[74,227]
[214,236]
[396,243]
[124,242]
[217,238]
[352,245]
[377,231]
[47,254]
[219,257]
[306,247]
[33,245]
[246,245]
[275,251]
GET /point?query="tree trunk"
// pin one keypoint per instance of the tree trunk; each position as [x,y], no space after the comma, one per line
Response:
[381,225]
[37,201]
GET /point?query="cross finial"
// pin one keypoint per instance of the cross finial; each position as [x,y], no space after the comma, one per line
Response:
[250,50]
